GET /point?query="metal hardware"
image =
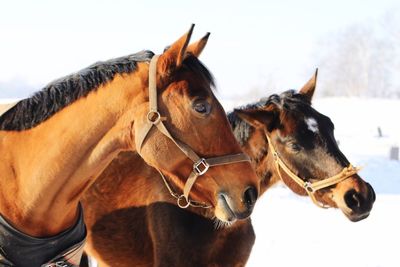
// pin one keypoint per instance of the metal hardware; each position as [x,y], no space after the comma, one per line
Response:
[308,187]
[201,167]
[180,205]
[154,117]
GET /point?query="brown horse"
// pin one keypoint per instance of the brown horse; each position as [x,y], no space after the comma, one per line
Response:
[129,226]
[55,144]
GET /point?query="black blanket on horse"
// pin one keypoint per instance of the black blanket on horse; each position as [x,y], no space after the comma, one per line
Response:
[20,250]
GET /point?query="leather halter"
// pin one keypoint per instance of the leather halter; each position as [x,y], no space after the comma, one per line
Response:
[200,165]
[311,187]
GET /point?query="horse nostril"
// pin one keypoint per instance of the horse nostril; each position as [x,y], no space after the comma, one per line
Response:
[250,196]
[353,200]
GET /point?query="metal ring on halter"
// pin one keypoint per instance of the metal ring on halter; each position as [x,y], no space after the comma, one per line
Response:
[154,117]
[308,187]
[201,167]
[178,201]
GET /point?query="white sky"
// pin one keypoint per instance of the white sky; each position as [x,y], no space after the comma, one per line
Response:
[250,40]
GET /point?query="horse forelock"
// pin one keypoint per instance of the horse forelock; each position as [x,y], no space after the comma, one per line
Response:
[195,65]
[62,92]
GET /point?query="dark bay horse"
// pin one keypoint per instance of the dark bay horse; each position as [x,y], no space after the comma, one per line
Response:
[132,222]
[54,145]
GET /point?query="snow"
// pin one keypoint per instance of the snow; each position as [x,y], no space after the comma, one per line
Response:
[291,231]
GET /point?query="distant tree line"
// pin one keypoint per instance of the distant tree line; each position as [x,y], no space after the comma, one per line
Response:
[362,60]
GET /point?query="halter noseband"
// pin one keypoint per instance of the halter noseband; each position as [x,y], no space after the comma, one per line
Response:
[308,186]
[200,165]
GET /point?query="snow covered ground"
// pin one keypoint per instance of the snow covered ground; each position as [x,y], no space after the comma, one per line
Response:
[292,231]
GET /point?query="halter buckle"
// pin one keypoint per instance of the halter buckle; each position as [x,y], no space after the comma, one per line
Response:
[182,205]
[201,167]
[153,116]
[308,187]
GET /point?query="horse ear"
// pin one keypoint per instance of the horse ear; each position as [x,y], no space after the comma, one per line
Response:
[309,88]
[173,57]
[197,47]
[258,118]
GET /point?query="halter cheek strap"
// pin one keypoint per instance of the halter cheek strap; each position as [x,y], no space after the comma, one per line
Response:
[200,165]
[310,187]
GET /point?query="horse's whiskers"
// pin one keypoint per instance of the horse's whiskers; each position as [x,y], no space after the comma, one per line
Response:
[218,224]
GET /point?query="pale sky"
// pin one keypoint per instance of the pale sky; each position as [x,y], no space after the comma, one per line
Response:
[250,40]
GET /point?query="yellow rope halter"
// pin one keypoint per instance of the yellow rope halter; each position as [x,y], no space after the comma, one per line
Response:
[310,187]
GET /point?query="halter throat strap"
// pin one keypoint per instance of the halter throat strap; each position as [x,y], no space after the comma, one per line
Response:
[200,165]
[311,187]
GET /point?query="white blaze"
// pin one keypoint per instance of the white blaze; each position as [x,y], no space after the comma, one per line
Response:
[312,124]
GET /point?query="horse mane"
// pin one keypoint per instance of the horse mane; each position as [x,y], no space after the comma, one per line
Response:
[62,92]
[287,101]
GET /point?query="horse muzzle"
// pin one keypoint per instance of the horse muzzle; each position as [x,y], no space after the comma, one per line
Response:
[359,204]
[229,210]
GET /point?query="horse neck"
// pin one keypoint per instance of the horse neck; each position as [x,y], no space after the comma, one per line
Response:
[47,168]
[257,148]
[129,182]
[126,182]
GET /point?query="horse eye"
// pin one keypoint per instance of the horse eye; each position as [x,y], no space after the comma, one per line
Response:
[295,147]
[201,106]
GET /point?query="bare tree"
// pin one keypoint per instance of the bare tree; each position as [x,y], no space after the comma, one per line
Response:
[362,60]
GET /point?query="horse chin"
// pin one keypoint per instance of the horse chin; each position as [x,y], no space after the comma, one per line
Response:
[350,214]
[218,224]
[354,217]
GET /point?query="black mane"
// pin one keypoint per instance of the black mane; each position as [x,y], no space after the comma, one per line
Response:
[287,101]
[30,112]
[60,93]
